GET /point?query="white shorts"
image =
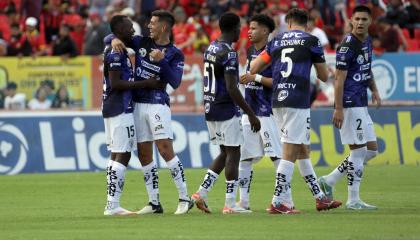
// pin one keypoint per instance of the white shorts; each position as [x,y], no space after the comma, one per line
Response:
[153,122]
[357,126]
[226,133]
[120,133]
[265,142]
[294,124]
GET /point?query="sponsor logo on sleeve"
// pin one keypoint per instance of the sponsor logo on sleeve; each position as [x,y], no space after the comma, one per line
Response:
[343,50]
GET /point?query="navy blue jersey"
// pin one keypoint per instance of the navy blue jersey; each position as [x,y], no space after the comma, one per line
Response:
[293,54]
[257,95]
[169,69]
[115,102]
[219,59]
[355,57]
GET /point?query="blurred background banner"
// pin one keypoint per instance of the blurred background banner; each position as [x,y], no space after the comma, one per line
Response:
[66,141]
[28,73]
[397,76]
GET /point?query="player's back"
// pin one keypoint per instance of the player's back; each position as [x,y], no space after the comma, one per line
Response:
[355,57]
[219,59]
[293,54]
[115,102]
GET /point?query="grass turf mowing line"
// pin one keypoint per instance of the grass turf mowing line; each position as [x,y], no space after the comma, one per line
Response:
[70,206]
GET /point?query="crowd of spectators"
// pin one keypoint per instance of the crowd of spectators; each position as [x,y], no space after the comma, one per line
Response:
[44,98]
[68,27]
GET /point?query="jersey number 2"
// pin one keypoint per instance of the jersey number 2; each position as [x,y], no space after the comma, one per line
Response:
[211,79]
[288,60]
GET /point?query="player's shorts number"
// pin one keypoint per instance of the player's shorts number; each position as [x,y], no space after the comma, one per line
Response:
[130,131]
[211,79]
[359,124]
[288,60]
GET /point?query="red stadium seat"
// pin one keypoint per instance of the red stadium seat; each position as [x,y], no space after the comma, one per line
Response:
[406,33]
[412,45]
[417,33]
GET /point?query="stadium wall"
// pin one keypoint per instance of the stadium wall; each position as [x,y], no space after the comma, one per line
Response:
[40,142]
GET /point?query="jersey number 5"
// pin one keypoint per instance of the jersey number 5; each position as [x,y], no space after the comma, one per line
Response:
[288,60]
[211,79]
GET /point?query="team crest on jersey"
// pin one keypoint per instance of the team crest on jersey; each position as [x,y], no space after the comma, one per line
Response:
[360,136]
[142,52]
[116,58]
[360,59]
[343,50]
[283,94]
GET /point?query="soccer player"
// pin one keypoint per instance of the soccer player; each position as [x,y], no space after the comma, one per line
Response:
[352,78]
[292,55]
[156,57]
[221,100]
[258,92]
[117,112]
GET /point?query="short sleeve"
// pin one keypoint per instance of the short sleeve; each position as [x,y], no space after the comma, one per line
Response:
[231,63]
[114,61]
[317,51]
[343,57]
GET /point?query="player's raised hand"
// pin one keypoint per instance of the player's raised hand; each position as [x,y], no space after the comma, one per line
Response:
[376,99]
[156,55]
[338,118]
[246,78]
[118,45]
[255,123]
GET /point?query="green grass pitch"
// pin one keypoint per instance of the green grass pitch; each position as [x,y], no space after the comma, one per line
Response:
[70,206]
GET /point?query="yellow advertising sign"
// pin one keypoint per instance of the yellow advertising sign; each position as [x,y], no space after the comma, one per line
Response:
[28,73]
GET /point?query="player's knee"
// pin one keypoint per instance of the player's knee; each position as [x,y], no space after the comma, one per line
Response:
[166,150]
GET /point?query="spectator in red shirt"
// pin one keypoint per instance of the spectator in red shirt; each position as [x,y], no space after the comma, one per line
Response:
[36,39]
[51,18]
[388,36]
[18,43]
[184,33]
[215,30]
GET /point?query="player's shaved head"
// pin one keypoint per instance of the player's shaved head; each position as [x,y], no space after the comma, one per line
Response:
[116,23]
[263,19]
[297,16]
